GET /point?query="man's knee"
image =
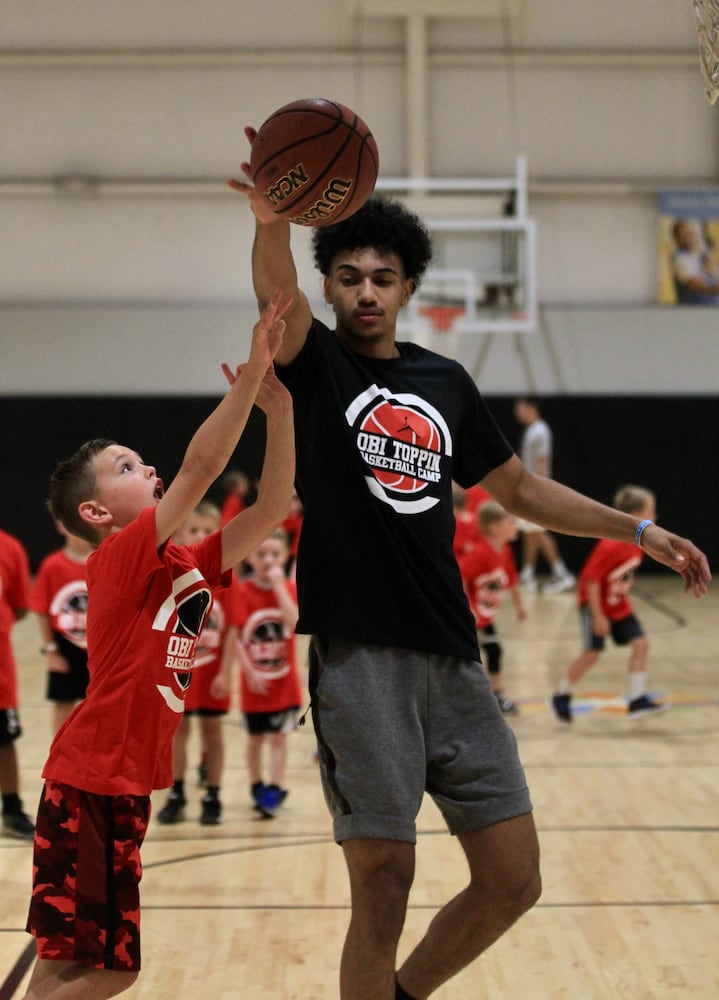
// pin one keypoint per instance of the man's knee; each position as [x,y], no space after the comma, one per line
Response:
[504,865]
[381,874]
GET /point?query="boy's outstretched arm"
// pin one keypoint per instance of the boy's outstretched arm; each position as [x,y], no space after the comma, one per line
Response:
[273,265]
[214,441]
[252,526]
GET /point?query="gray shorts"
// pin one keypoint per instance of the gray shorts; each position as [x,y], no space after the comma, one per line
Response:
[394,723]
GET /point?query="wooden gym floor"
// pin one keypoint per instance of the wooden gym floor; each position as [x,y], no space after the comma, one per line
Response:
[628,819]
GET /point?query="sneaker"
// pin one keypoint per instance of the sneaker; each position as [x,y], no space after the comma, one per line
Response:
[173,810]
[211,811]
[257,791]
[506,705]
[201,774]
[17,824]
[562,707]
[528,583]
[271,800]
[641,707]
[556,584]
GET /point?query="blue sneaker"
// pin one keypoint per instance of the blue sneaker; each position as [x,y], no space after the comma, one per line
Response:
[271,800]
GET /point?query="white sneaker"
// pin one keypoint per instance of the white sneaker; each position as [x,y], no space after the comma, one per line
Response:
[556,584]
[528,583]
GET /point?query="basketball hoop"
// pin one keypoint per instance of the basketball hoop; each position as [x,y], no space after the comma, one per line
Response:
[441,317]
[706,13]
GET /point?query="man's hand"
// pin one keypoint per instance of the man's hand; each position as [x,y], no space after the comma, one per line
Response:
[680,555]
[259,205]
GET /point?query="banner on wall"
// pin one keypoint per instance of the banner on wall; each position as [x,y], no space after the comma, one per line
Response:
[689,247]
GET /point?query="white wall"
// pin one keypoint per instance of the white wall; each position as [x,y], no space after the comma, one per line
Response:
[132,292]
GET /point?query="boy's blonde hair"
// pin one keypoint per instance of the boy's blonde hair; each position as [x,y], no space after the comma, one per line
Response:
[489,513]
[206,508]
[630,499]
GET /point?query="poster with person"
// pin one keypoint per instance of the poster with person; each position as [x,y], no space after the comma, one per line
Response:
[689,247]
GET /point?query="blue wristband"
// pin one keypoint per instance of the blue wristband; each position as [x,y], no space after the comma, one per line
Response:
[640,531]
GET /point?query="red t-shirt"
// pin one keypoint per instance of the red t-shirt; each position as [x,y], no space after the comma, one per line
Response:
[146,608]
[487,575]
[466,533]
[292,525]
[232,505]
[611,565]
[60,592]
[270,648]
[475,497]
[224,614]
[14,597]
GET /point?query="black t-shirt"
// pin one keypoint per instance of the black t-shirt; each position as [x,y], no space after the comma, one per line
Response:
[378,445]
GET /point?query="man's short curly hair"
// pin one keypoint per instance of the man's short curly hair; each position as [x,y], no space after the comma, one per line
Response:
[383,224]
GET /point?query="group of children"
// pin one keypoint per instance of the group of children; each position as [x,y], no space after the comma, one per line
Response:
[251,622]
[184,606]
[482,544]
[251,625]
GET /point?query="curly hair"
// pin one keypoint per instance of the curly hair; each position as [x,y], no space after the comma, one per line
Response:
[73,482]
[383,224]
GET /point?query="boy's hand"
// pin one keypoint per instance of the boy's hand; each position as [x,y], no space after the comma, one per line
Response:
[272,396]
[57,664]
[266,337]
[258,204]
[220,686]
[276,576]
[257,682]
[600,624]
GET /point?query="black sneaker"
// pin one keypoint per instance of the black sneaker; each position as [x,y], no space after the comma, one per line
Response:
[173,810]
[211,811]
[17,824]
[506,705]
[562,707]
[642,707]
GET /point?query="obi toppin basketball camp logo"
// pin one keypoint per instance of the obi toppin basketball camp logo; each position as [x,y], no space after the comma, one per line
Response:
[182,615]
[402,439]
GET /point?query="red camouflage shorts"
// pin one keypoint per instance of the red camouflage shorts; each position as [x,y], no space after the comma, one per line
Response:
[85,904]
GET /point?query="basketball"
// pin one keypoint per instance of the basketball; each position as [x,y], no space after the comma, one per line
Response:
[315,161]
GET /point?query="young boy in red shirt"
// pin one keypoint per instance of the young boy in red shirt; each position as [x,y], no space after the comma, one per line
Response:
[59,599]
[148,600]
[208,697]
[270,691]
[14,601]
[605,608]
[489,572]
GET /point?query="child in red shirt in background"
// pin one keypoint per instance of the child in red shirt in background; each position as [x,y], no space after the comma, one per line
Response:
[270,689]
[605,608]
[237,489]
[292,525]
[466,529]
[14,602]
[208,696]
[489,572]
[59,599]
[148,599]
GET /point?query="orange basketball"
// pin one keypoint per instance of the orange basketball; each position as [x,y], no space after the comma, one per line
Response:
[315,161]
